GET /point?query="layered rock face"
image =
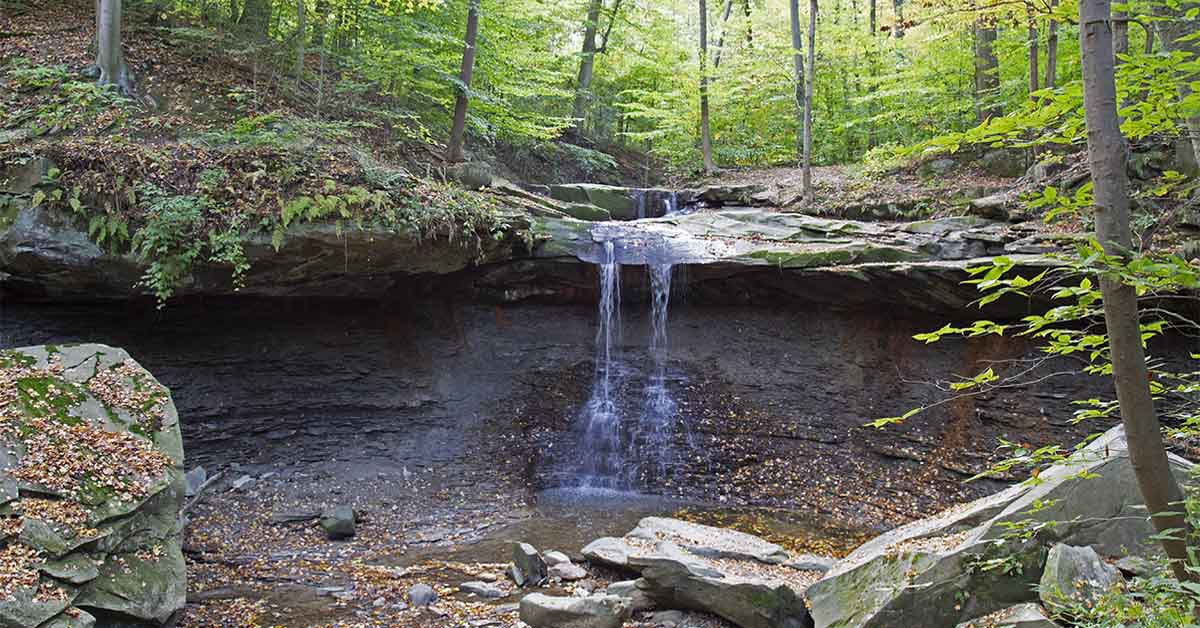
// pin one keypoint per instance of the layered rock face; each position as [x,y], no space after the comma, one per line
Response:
[91,485]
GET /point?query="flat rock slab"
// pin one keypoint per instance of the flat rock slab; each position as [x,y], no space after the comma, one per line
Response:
[686,566]
[597,611]
[1020,616]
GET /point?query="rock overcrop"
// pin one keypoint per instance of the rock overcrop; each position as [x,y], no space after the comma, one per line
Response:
[928,572]
[91,486]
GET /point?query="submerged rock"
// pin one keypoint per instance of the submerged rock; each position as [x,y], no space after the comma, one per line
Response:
[918,573]
[597,611]
[116,552]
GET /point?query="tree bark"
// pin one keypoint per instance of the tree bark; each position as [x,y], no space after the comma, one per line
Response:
[454,149]
[587,63]
[1120,35]
[798,75]
[1052,49]
[987,71]
[808,94]
[898,31]
[110,54]
[1107,155]
[1173,31]
[705,133]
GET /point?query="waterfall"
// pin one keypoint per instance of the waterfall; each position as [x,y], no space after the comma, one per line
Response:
[639,201]
[671,203]
[602,417]
[627,439]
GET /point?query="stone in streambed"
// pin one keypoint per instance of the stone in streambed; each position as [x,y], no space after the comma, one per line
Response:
[422,595]
[338,522]
[528,568]
[597,611]
[1075,575]
[482,589]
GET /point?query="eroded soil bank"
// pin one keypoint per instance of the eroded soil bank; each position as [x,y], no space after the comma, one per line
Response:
[449,424]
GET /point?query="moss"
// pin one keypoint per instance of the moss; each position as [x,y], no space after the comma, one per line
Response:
[59,394]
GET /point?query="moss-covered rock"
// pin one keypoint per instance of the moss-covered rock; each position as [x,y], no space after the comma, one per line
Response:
[94,449]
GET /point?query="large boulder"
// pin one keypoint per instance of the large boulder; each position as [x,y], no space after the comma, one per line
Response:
[91,442]
[929,572]
[597,611]
[687,566]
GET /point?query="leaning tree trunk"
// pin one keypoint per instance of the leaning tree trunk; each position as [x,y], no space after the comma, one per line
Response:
[987,71]
[725,13]
[808,107]
[454,150]
[798,75]
[1107,157]
[110,55]
[705,132]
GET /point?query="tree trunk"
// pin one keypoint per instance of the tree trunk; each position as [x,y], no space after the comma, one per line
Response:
[1052,49]
[256,18]
[898,5]
[1120,35]
[987,71]
[1173,32]
[110,54]
[873,24]
[1033,51]
[725,13]
[301,34]
[798,75]
[322,17]
[587,63]
[808,94]
[705,133]
[454,150]
[1107,156]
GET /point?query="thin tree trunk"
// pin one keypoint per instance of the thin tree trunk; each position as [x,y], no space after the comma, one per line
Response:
[987,71]
[322,14]
[454,150]
[1034,62]
[725,13]
[898,5]
[749,24]
[798,75]
[587,63]
[873,24]
[705,133]
[301,28]
[1107,157]
[808,94]
[1052,49]
[110,55]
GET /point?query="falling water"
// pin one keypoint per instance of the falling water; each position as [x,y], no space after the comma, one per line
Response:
[671,203]
[639,200]
[659,408]
[602,416]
